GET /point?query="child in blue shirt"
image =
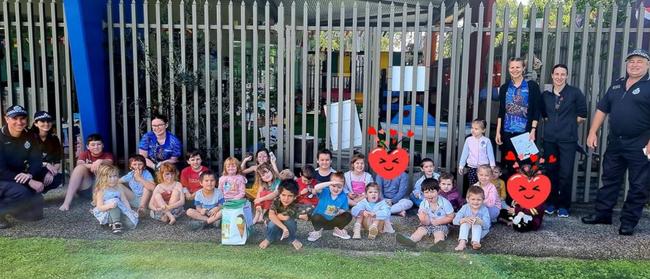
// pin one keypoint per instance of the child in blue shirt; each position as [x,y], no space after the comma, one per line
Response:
[428,171]
[208,202]
[435,214]
[474,216]
[372,213]
[282,215]
[140,182]
[332,209]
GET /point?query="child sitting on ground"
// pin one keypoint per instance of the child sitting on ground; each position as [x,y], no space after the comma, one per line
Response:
[492,200]
[267,181]
[325,170]
[428,171]
[307,201]
[474,217]
[232,183]
[111,201]
[283,215]
[167,201]
[83,175]
[371,213]
[207,203]
[501,186]
[395,192]
[356,179]
[477,151]
[435,214]
[140,182]
[190,174]
[332,210]
[449,191]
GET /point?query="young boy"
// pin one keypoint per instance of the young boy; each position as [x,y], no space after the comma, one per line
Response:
[435,214]
[449,191]
[325,170]
[190,174]
[207,202]
[473,216]
[428,171]
[306,199]
[283,215]
[83,175]
[395,192]
[332,209]
[286,174]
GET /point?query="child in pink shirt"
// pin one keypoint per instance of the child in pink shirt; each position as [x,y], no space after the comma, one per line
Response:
[476,151]
[232,183]
[492,200]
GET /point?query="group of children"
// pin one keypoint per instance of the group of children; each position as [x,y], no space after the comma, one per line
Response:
[330,200]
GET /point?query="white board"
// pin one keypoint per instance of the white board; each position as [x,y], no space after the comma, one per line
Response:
[333,118]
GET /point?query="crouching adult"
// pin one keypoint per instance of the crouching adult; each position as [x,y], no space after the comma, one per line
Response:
[21,172]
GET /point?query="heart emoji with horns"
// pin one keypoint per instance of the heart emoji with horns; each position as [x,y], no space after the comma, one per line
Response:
[529,192]
[388,165]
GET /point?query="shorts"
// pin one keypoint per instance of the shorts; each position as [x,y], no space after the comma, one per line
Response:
[437,228]
[157,215]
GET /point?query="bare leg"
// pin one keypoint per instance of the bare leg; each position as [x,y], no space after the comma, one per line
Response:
[144,200]
[194,214]
[258,215]
[80,174]
[438,236]
[461,245]
[127,192]
[356,231]
[214,217]
[419,234]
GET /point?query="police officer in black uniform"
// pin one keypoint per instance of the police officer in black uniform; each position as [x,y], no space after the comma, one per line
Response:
[20,170]
[627,102]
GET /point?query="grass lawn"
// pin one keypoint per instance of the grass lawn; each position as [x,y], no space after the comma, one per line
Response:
[62,258]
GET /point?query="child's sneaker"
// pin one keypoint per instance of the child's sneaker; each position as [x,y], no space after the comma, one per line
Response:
[405,240]
[563,213]
[388,227]
[372,232]
[315,235]
[343,234]
[357,231]
[550,209]
[116,227]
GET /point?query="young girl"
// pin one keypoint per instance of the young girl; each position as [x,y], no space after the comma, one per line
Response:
[356,180]
[435,213]
[492,201]
[449,191]
[111,201]
[332,210]
[266,179]
[232,183]
[371,213]
[428,171]
[476,151]
[207,202]
[472,216]
[140,181]
[261,156]
[167,201]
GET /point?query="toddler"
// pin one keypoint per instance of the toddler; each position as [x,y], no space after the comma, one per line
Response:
[435,213]
[267,181]
[371,213]
[190,174]
[356,180]
[500,185]
[306,182]
[331,211]
[427,168]
[207,203]
[492,200]
[474,217]
[449,191]
[476,151]
[112,205]
[167,201]
[283,214]
[140,182]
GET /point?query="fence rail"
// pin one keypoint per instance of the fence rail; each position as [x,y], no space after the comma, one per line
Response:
[233,77]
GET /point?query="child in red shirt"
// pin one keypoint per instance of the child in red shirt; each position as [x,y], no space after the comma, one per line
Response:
[190,174]
[306,182]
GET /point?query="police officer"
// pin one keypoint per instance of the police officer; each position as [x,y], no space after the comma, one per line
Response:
[20,168]
[563,108]
[627,102]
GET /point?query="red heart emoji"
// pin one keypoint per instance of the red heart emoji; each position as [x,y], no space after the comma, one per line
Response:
[388,165]
[534,158]
[372,131]
[410,134]
[510,156]
[529,193]
[552,159]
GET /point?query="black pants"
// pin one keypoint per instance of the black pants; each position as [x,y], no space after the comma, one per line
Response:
[624,154]
[340,221]
[560,172]
[507,168]
[20,201]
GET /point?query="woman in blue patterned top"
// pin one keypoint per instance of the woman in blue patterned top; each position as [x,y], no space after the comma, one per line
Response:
[159,145]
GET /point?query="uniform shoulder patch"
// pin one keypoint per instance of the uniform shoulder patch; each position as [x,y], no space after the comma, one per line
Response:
[27,145]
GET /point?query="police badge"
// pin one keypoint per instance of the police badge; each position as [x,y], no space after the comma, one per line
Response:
[27,145]
[636,91]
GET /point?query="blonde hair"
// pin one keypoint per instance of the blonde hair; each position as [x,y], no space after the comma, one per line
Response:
[262,169]
[166,167]
[485,168]
[103,172]
[286,174]
[228,161]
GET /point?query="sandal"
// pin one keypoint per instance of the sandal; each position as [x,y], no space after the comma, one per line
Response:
[117,228]
[476,245]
